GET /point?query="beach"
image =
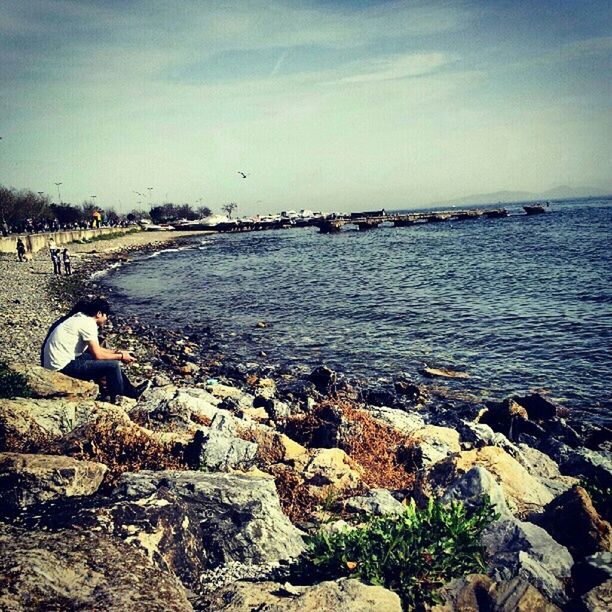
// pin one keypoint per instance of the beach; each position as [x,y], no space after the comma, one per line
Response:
[233,481]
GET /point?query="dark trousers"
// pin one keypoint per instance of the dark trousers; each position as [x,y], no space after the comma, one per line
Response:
[86,367]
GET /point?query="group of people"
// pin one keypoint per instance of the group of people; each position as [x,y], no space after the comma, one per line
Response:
[72,347]
[59,256]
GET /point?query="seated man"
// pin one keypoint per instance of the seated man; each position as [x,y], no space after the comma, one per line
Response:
[72,347]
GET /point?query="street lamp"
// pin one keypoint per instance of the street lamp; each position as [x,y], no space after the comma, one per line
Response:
[149,189]
[59,195]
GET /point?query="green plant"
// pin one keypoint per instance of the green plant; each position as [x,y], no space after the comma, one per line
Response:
[413,554]
[13,384]
[600,495]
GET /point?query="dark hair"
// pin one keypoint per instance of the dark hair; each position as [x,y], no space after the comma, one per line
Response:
[92,307]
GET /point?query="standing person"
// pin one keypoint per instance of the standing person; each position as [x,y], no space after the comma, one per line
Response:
[66,258]
[55,257]
[21,250]
[72,347]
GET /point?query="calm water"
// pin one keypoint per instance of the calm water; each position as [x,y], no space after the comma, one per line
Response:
[520,303]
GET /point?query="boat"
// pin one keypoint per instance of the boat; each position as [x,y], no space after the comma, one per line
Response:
[534,209]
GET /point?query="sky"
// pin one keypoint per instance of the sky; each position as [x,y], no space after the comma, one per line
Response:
[330,105]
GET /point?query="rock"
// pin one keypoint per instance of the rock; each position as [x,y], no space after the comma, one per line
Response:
[435,443]
[475,435]
[30,479]
[538,407]
[375,501]
[502,416]
[379,397]
[443,373]
[73,570]
[599,599]
[513,547]
[406,422]
[222,391]
[189,368]
[413,393]
[266,387]
[573,521]
[323,378]
[223,451]
[592,571]
[523,492]
[47,384]
[470,593]
[345,594]
[239,517]
[331,467]
[517,595]
[546,470]
[590,464]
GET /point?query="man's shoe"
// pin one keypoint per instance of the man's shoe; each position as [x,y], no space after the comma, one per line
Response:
[141,388]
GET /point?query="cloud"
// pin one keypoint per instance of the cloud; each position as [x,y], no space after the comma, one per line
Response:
[278,64]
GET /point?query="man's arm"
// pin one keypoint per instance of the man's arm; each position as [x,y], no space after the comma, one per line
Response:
[101,353]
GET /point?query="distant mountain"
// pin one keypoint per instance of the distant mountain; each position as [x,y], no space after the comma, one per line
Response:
[556,193]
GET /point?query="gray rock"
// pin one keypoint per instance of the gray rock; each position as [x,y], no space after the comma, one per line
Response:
[30,479]
[73,570]
[594,465]
[592,571]
[44,383]
[239,516]
[475,435]
[406,422]
[375,501]
[599,599]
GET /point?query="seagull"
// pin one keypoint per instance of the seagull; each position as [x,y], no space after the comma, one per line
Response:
[242,174]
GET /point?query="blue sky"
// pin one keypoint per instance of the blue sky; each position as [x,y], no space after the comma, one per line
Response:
[329,105]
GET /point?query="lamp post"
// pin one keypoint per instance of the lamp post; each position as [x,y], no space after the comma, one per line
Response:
[59,195]
[149,189]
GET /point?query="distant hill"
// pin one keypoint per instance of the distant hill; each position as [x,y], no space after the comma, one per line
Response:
[556,193]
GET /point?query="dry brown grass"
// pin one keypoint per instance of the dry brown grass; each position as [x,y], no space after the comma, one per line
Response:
[123,447]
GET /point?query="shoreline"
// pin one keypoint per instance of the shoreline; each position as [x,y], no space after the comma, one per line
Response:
[280,454]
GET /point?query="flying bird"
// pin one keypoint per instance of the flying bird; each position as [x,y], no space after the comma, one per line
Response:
[242,174]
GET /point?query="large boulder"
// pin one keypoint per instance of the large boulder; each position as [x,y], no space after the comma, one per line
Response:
[74,570]
[30,479]
[515,548]
[48,384]
[406,422]
[523,492]
[592,571]
[345,594]
[331,467]
[239,516]
[375,501]
[434,443]
[598,599]
[574,522]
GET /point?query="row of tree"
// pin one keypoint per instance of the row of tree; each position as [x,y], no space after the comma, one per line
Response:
[26,211]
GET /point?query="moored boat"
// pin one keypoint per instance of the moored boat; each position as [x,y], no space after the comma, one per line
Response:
[534,209]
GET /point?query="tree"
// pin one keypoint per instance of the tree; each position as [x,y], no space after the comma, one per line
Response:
[203,211]
[229,208]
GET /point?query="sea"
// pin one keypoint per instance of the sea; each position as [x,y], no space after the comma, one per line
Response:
[521,303]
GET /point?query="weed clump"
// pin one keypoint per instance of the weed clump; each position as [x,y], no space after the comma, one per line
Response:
[413,554]
[13,384]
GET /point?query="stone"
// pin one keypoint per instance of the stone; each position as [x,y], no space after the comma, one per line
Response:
[502,416]
[345,594]
[30,479]
[331,467]
[406,422]
[524,493]
[239,517]
[592,571]
[443,373]
[537,406]
[46,384]
[517,595]
[323,378]
[470,593]
[574,522]
[599,599]
[74,570]
[435,443]
[413,393]
[222,391]
[475,435]
[544,468]
[590,464]
[375,501]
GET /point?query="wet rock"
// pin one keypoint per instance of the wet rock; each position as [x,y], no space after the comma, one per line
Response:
[592,571]
[599,599]
[29,479]
[413,393]
[323,378]
[344,594]
[379,397]
[72,570]
[523,492]
[590,464]
[443,373]
[537,406]
[517,595]
[375,501]
[468,594]
[505,416]
[239,516]
[573,521]
[44,383]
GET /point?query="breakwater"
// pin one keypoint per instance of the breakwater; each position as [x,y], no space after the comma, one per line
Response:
[38,242]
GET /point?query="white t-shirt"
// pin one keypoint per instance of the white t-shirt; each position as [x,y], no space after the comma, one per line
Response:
[69,340]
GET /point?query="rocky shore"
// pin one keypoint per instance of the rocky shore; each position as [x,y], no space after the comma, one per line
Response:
[238,486]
